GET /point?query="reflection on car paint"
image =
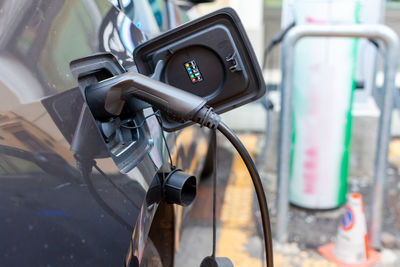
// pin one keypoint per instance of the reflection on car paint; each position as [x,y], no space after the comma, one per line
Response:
[49,216]
[119,36]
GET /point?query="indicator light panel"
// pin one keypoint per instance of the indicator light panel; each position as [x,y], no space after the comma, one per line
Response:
[193,71]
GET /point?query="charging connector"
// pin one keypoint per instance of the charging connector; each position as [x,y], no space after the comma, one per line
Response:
[107,98]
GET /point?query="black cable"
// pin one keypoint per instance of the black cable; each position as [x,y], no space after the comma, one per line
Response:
[214,179]
[158,116]
[157,113]
[262,201]
[267,105]
[165,140]
[276,40]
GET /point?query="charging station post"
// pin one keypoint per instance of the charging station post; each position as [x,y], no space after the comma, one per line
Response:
[390,40]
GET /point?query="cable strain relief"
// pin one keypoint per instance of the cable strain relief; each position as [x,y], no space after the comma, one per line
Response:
[206,117]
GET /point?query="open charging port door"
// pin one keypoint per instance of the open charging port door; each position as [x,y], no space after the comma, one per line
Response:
[119,137]
[210,57]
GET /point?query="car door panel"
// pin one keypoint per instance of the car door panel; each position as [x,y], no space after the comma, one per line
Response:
[51,215]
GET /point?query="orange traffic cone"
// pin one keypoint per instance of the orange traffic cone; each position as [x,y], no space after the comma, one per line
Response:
[351,245]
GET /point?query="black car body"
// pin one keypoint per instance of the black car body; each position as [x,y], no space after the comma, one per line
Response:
[51,214]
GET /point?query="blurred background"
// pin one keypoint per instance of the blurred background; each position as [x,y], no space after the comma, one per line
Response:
[338,100]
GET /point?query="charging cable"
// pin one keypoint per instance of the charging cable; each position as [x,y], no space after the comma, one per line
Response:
[107,98]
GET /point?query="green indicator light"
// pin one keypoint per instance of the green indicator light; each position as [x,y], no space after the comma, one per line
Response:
[192,76]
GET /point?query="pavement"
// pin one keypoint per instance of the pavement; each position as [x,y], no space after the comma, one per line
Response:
[237,235]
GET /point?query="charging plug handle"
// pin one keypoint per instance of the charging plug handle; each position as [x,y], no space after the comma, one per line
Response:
[107,98]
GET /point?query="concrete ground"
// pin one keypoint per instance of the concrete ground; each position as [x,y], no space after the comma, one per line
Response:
[237,235]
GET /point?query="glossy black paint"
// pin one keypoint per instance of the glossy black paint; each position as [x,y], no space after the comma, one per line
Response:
[51,214]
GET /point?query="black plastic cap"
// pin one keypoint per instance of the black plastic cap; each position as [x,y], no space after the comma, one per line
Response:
[180,188]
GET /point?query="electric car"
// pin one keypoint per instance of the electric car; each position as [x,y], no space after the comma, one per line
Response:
[74,191]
